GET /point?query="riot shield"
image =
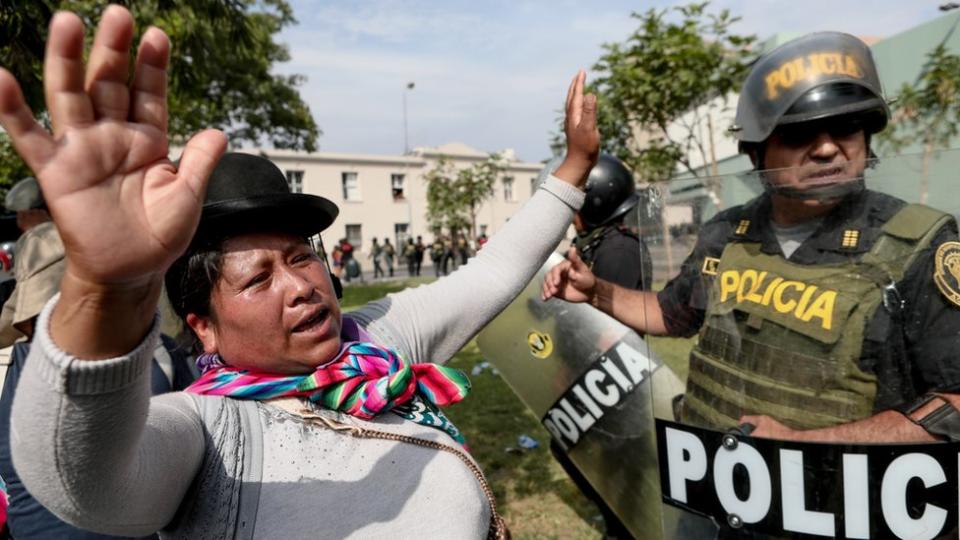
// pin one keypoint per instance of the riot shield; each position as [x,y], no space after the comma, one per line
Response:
[589,379]
[803,308]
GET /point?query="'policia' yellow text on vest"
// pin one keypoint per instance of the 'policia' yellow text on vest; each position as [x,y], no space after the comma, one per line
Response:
[784,339]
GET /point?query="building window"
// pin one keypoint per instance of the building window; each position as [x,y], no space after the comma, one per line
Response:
[351,186]
[483,230]
[401,231]
[295,181]
[533,186]
[355,235]
[508,188]
[396,186]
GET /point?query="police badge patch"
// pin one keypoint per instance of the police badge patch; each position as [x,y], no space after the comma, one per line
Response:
[946,274]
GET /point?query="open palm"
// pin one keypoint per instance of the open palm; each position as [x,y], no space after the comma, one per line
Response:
[124,211]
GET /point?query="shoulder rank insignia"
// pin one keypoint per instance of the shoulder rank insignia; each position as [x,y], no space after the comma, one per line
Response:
[743,227]
[710,266]
[851,237]
[946,273]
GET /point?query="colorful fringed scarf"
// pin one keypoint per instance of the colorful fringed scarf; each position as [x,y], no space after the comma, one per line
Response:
[365,380]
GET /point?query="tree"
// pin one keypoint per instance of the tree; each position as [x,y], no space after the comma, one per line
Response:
[220,67]
[454,196]
[928,111]
[655,88]
[443,212]
[657,93]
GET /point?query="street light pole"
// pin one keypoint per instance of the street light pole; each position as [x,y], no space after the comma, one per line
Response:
[406,146]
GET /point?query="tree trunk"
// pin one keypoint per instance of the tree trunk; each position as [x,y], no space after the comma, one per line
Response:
[473,222]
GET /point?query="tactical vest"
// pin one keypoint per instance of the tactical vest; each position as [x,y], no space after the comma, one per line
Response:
[784,339]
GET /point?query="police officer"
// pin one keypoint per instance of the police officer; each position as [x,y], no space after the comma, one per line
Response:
[613,251]
[820,302]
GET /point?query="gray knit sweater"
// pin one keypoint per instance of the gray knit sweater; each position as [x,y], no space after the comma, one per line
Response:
[91,445]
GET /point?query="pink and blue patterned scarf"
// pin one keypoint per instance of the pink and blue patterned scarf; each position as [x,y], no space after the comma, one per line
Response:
[364,380]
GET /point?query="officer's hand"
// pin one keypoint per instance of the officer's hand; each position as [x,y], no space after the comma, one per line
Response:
[769,428]
[124,211]
[571,280]
[583,138]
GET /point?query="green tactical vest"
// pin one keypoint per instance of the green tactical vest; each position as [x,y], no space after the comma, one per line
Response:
[784,339]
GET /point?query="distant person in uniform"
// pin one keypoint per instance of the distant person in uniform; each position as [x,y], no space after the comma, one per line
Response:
[389,254]
[436,254]
[410,256]
[449,257]
[462,249]
[420,249]
[376,254]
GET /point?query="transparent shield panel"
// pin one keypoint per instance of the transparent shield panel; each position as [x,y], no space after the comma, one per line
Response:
[789,302]
[589,379]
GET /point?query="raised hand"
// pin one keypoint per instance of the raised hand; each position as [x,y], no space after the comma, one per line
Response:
[124,211]
[580,128]
[571,280]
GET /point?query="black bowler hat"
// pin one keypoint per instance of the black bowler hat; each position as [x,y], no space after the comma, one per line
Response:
[248,193]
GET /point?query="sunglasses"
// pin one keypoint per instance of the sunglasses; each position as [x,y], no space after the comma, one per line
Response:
[802,134]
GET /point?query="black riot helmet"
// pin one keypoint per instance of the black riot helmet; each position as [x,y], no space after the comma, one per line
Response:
[817,76]
[610,192]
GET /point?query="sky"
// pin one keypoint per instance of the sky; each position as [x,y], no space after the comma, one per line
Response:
[493,74]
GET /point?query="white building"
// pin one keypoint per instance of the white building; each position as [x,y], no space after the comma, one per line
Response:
[385,196]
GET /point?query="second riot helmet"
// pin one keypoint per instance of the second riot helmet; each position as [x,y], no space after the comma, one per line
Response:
[610,192]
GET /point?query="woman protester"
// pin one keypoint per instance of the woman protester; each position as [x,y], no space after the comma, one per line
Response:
[291,430]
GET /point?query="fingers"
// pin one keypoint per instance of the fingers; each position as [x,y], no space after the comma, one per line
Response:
[546,292]
[107,70]
[67,101]
[570,89]
[32,142]
[200,156]
[575,106]
[150,80]
[588,120]
[575,260]
[553,280]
